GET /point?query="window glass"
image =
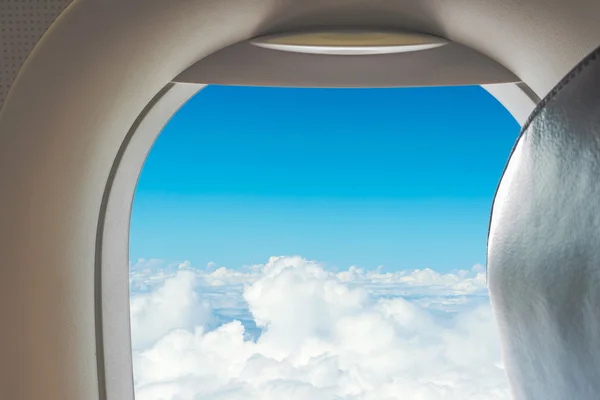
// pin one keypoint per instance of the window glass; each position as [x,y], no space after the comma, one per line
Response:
[319,244]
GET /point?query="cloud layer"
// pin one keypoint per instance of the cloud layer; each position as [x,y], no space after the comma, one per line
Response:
[291,329]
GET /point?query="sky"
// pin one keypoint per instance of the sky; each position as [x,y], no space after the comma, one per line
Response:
[309,244]
[391,178]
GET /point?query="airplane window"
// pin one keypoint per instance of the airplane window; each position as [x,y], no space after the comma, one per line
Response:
[316,244]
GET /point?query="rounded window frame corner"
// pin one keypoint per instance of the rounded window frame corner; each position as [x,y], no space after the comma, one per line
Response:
[111,286]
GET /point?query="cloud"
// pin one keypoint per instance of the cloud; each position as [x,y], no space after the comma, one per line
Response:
[292,329]
[211,265]
[173,305]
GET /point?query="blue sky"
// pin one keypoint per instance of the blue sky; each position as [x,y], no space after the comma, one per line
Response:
[402,178]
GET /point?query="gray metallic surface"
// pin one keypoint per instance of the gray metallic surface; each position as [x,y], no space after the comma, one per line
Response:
[544,246]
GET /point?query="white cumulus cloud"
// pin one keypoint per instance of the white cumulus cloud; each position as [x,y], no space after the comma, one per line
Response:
[173,305]
[291,329]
